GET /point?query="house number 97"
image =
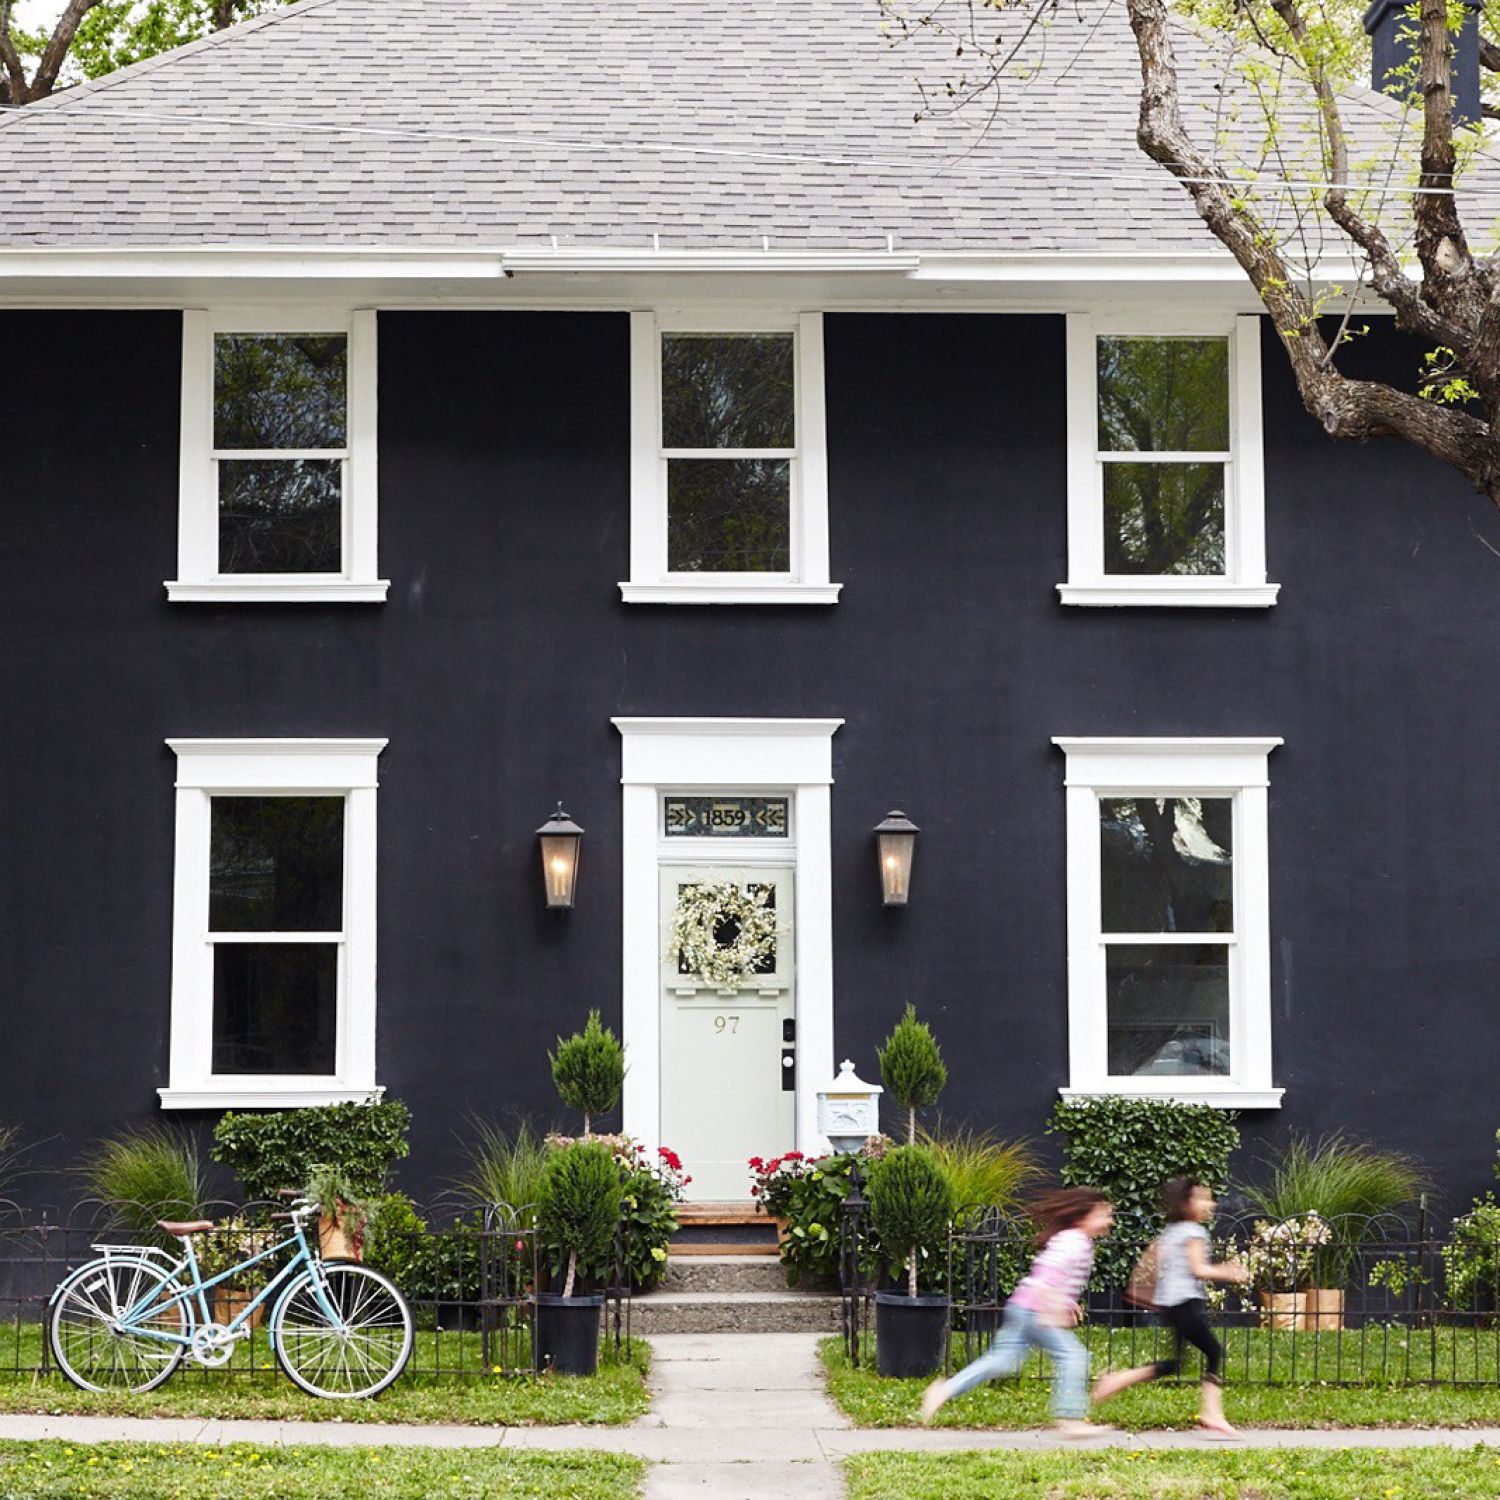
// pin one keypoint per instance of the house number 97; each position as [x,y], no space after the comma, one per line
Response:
[729,1024]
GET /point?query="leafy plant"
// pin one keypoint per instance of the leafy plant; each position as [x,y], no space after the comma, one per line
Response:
[649,1194]
[911,1207]
[149,1174]
[589,1070]
[269,1152]
[912,1068]
[1471,1258]
[579,1209]
[333,1191]
[1287,1255]
[503,1167]
[807,1194]
[1129,1148]
[981,1168]
[229,1243]
[1336,1178]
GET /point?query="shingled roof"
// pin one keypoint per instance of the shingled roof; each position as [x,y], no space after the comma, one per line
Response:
[720,124]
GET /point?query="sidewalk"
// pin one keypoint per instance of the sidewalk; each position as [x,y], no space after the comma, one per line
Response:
[739,1416]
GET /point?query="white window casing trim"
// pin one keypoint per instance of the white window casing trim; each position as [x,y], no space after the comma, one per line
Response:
[285,767]
[1244,583]
[649,581]
[794,756]
[198,578]
[1141,766]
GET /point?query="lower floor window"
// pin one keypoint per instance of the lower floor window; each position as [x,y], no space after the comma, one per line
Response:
[1168,921]
[273,983]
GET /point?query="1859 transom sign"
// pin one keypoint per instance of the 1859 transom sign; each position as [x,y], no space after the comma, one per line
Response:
[725,817]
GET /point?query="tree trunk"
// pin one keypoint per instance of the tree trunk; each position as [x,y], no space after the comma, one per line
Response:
[911,1125]
[572,1272]
[587,1127]
[911,1274]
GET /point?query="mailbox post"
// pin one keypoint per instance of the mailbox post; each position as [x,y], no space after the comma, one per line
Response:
[849,1114]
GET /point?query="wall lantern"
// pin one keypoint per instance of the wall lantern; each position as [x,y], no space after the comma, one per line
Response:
[559,837]
[895,841]
[849,1110]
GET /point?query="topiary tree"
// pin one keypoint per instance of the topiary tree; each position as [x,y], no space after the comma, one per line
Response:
[912,1068]
[589,1070]
[911,1206]
[580,1205]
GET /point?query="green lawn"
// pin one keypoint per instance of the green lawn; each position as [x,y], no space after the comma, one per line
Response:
[870,1401]
[617,1394]
[1341,1474]
[153,1471]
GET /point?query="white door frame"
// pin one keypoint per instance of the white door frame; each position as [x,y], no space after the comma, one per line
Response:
[794,755]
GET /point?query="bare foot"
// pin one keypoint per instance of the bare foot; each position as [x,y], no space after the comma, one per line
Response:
[933,1398]
[1219,1431]
[1074,1431]
[1109,1384]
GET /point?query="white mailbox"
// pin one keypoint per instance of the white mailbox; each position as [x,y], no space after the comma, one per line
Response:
[849,1110]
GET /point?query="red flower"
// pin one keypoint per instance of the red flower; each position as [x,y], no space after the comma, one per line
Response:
[755,1192]
[793,1156]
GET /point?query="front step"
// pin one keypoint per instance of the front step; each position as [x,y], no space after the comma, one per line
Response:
[724,1273]
[722,1229]
[733,1312]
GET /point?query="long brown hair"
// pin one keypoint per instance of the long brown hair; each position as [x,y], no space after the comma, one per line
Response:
[1064,1208]
[1178,1196]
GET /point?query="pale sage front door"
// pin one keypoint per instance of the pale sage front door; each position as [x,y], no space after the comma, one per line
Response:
[728,1053]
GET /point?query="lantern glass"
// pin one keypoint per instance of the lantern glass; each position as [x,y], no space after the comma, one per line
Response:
[895,849]
[560,867]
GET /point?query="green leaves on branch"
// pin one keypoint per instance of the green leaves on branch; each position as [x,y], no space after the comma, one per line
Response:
[580,1207]
[589,1070]
[911,1206]
[912,1068]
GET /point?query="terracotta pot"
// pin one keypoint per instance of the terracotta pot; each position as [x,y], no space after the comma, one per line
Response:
[228,1303]
[1319,1309]
[333,1242]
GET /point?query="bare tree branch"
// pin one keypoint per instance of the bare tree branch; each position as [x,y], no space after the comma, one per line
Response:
[55,53]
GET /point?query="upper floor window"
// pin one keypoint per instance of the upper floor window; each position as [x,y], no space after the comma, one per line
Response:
[729,475]
[273,955]
[278,459]
[1166,497]
[1169,979]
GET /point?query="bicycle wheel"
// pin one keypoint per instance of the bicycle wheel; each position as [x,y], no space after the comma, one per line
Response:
[90,1348]
[361,1353]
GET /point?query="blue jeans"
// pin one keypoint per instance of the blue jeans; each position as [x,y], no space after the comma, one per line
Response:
[1019,1333]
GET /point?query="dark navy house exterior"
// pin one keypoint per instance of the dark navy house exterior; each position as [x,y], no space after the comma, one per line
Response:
[734,503]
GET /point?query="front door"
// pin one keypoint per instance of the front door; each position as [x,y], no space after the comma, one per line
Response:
[728,1053]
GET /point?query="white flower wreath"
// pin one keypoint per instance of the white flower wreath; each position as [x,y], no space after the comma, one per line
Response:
[702,910]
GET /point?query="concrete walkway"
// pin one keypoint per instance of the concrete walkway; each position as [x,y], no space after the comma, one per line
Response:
[736,1416]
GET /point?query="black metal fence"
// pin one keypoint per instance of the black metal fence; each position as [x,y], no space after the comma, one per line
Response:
[468,1271]
[1349,1301]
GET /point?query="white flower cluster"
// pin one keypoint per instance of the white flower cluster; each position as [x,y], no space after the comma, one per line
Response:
[704,912]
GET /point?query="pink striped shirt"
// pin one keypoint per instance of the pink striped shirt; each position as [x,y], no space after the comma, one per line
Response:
[1059,1272]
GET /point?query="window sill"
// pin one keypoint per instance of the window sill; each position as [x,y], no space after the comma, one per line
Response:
[730,593]
[289,591]
[249,1096]
[1224,1096]
[1178,595]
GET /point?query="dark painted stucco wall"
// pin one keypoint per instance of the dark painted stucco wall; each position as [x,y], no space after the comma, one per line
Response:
[503,651]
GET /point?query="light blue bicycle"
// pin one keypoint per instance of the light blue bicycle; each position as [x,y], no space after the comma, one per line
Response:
[125,1321]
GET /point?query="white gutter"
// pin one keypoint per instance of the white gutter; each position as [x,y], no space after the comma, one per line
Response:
[569,258]
[334,263]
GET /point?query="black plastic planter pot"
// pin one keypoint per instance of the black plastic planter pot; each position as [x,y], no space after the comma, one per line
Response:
[911,1334]
[567,1333]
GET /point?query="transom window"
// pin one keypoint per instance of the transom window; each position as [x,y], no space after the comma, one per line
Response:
[729,469]
[1165,502]
[1168,925]
[273,966]
[278,460]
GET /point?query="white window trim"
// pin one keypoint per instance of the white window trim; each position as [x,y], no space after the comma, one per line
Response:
[198,578]
[284,767]
[1244,584]
[792,757]
[1134,767]
[650,582]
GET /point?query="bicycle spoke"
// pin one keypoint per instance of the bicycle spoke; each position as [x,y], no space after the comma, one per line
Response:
[358,1350]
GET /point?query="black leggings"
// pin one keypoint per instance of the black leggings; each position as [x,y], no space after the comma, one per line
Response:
[1189,1322]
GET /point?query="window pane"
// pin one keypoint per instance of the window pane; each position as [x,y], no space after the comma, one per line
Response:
[1166,864]
[1168,1010]
[276,1008]
[276,864]
[1164,395]
[281,515]
[729,515]
[1164,518]
[723,390]
[280,391]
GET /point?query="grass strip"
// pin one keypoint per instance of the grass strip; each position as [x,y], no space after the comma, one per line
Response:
[1290,1474]
[870,1401]
[187,1471]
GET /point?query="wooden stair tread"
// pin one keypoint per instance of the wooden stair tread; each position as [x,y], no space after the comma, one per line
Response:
[722,1213]
[718,1247]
